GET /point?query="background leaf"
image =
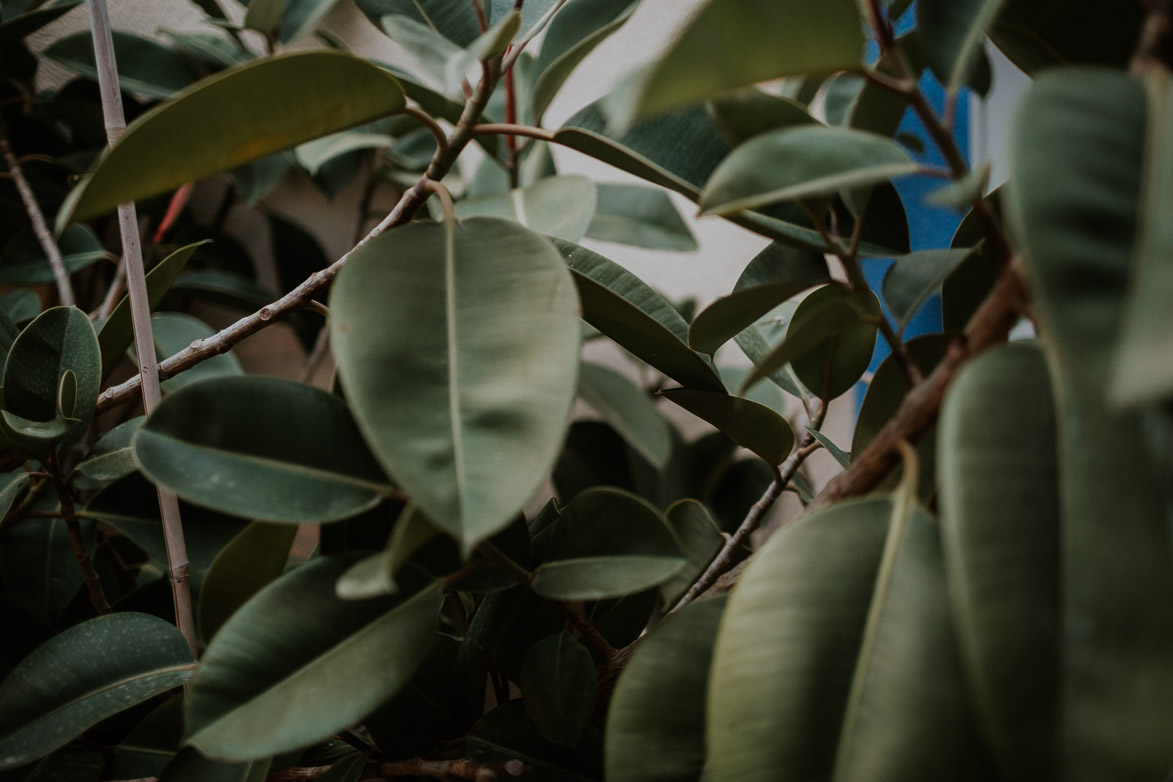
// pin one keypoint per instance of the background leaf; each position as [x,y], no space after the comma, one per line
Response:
[629,409]
[250,561]
[640,217]
[558,688]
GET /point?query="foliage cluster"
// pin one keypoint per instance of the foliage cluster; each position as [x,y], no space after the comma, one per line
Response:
[982,593]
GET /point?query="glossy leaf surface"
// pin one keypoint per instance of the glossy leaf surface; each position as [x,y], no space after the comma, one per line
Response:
[431,332]
[84,675]
[231,118]
[280,451]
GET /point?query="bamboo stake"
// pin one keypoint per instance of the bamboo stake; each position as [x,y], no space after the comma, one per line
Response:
[140,312]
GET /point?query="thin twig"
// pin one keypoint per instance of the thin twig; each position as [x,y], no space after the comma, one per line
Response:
[40,228]
[80,555]
[140,312]
[320,350]
[428,122]
[113,293]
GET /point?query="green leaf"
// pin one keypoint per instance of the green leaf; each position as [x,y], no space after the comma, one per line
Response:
[40,572]
[1143,371]
[25,262]
[656,722]
[640,217]
[560,206]
[488,45]
[208,48]
[11,486]
[961,194]
[1039,34]
[264,15]
[19,306]
[773,276]
[453,19]
[749,112]
[117,331]
[113,455]
[261,448]
[801,162]
[426,46]
[254,558]
[432,326]
[189,765]
[733,43]
[343,657]
[1002,549]
[700,539]
[908,715]
[27,22]
[84,675]
[822,315]
[573,34]
[623,307]
[952,34]
[828,444]
[607,543]
[231,118]
[144,66]
[788,644]
[558,687]
[313,155]
[174,332]
[749,424]
[913,278]
[301,17]
[152,743]
[59,343]
[629,409]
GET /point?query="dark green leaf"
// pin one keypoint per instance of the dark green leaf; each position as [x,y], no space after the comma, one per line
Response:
[641,217]
[1039,34]
[558,688]
[750,425]
[231,118]
[629,409]
[84,675]
[343,657]
[25,262]
[960,194]
[787,648]
[700,539]
[20,306]
[952,33]
[749,112]
[40,572]
[11,486]
[451,18]
[247,564]
[620,305]
[22,24]
[208,48]
[278,451]
[313,155]
[429,350]
[916,276]
[144,66]
[801,162]
[301,17]
[113,455]
[151,744]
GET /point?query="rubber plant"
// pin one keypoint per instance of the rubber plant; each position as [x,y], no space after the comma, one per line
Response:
[983,591]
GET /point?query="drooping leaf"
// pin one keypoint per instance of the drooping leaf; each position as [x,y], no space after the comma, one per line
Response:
[1143,371]
[559,206]
[83,675]
[656,723]
[623,307]
[343,657]
[558,687]
[733,44]
[431,330]
[641,217]
[786,652]
[627,408]
[916,276]
[117,331]
[144,66]
[607,543]
[801,162]
[25,262]
[231,118]
[573,34]
[749,424]
[60,343]
[249,562]
[113,455]
[952,34]
[1002,550]
[279,451]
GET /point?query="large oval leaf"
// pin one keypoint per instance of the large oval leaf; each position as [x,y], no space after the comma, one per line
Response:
[997,429]
[560,206]
[801,162]
[788,644]
[458,350]
[656,723]
[296,664]
[261,448]
[84,675]
[231,118]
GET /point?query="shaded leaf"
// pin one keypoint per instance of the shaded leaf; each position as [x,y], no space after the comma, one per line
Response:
[627,408]
[952,34]
[700,539]
[1040,34]
[641,217]
[750,112]
[279,451]
[25,262]
[189,765]
[558,688]
[250,561]
[913,278]
[451,18]
[113,455]
[432,377]
[83,675]
[331,664]
[231,118]
[301,17]
[749,424]
[144,66]
[40,572]
[263,15]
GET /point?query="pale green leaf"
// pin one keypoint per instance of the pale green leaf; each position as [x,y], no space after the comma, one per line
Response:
[641,217]
[560,206]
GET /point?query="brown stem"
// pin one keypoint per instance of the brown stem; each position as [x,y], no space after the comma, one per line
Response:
[40,228]
[88,574]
